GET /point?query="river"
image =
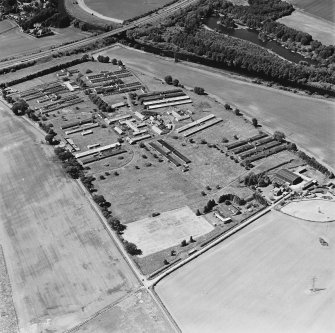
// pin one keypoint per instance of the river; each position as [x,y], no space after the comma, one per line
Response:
[252,36]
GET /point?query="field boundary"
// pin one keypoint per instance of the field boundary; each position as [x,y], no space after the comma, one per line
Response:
[302,219]
[101,311]
[7,277]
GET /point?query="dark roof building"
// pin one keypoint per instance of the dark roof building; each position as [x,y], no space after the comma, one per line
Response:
[288,177]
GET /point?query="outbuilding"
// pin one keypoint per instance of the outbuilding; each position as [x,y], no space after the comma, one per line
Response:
[288,176]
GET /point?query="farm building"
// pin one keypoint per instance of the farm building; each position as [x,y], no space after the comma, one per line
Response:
[137,139]
[223,219]
[157,130]
[139,115]
[118,130]
[119,105]
[287,176]
[116,119]
[96,150]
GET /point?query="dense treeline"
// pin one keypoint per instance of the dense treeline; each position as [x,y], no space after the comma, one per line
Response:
[51,15]
[46,71]
[17,67]
[258,11]
[187,37]
[315,164]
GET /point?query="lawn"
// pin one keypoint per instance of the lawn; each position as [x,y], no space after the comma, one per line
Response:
[258,280]
[14,42]
[137,193]
[319,29]
[298,116]
[154,234]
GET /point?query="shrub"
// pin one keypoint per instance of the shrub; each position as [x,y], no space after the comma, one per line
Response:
[199,90]
[132,249]
[183,243]
[168,79]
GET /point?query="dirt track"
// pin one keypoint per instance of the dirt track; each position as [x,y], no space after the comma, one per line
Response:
[62,264]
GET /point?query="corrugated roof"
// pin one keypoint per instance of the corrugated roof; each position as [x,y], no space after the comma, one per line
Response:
[287,175]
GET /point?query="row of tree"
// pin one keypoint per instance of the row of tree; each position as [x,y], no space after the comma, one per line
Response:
[46,71]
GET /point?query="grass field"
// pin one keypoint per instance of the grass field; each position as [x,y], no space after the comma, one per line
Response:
[307,121]
[311,210]
[14,42]
[324,9]
[321,30]
[137,193]
[154,234]
[258,280]
[125,9]
[62,264]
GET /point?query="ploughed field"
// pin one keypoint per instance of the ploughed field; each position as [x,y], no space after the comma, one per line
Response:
[125,9]
[319,29]
[322,8]
[307,121]
[259,280]
[62,264]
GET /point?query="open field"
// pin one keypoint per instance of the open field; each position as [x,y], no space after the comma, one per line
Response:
[126,9]
[324,9]
[75,9]
[307,121]
[311,210]
[14,42]
[154,234]
[62,264]
[155,188]
[136,314]
[258,280]
[322,30]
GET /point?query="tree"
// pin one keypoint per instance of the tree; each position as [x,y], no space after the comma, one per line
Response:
[255,122]
[183,243]
[227,106]
[50,138]
[199,90]
[73,171]
[175,82]
[132,249]
[114,61]
[237,112]
[99,199]
[168,79]
[279,136]
[120,63]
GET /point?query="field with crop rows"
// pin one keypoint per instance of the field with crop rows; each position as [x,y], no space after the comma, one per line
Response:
[324,9]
